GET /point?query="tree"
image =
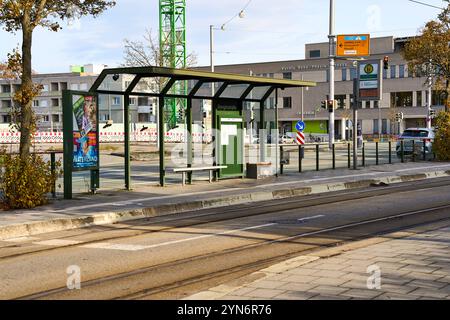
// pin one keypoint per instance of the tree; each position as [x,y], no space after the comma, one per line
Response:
[147,53]
[25,16]
[429,53]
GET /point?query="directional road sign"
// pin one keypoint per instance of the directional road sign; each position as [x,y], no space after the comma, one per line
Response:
[300,126]
[353,45]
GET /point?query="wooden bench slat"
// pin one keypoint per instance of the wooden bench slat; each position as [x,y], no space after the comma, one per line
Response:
[198,169]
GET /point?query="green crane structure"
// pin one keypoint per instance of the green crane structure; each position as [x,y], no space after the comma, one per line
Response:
[172,37]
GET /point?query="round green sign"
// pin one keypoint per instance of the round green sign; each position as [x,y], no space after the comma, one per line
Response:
[368,69]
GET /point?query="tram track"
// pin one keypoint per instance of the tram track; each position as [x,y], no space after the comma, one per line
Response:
[226,264]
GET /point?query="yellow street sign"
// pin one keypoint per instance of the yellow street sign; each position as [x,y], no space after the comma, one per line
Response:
[353,45]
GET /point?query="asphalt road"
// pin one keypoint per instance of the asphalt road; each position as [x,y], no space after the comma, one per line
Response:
[176,256]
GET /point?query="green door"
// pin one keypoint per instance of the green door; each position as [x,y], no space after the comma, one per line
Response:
[231,139]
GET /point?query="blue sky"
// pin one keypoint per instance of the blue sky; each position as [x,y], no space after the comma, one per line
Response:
[271,29]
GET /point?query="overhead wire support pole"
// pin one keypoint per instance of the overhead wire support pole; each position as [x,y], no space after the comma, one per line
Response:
[332,56]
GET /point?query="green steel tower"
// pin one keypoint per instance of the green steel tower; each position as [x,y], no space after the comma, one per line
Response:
[172,37]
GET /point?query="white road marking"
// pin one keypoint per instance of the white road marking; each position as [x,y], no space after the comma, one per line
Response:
[114,246]
[311,218]
[111,246]
[57,243]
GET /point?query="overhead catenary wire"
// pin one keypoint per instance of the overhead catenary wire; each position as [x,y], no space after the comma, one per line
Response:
[426,4]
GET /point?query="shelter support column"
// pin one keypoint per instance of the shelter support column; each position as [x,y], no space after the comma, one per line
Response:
[162,168]
[189,136]
[262,132]
[127,141]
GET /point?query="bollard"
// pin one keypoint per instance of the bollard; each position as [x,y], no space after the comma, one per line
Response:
[53,171]
[334,156]
[301,155]
[364,154]
[349,155]
[414,151]
[377,153]
[281,160]
[317,158]
[402,150]
[424,150]
[390,152]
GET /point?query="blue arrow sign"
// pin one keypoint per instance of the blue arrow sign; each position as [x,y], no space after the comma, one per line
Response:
[300,126]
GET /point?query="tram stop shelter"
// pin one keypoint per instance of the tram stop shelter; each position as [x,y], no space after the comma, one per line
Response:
[228,93]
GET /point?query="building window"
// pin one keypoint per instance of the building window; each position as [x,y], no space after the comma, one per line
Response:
[344,74]
[116,101]
[143,117]
[401,99]
[287,102]
[55,102]
[393,72]
[63,86]
[6,118]
[384,126]
[133,101]
[45,88]
[287,75]
[376,104]
[54,86]
[340,101]
[6,104]
[36,103]
[376,129]
[419,98]
[55,117]
[43,103]
[6,88]
[401,71]
[438,98]
[45,119]
[314,54]
[353,73]
[271,75]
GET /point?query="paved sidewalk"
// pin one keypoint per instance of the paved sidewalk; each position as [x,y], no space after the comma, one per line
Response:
[411,268]
[150,201]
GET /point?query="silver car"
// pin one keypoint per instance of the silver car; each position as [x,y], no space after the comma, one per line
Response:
[416,138]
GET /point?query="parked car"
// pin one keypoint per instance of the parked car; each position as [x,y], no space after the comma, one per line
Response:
[416,137]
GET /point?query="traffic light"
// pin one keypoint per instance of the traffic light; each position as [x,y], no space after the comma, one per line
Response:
[432,114]
[399,117]
[330,105]
[386,62]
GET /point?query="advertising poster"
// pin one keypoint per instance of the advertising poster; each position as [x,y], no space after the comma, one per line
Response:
[85,135]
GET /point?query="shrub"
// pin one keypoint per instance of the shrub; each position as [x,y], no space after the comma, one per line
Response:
[441,144]
[25,184]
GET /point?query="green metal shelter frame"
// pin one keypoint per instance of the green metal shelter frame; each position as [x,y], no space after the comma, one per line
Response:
[265,86]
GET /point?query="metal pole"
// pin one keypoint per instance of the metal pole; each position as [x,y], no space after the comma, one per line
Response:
[402,150]
[430,98]
[317,158]
[377,153]
[331,37]
[414,151]
[390,152]
[424,150]
[127,141]
[300,159]
[189,137]
[281,160]
[349,155]
[355,124]
[364,154]
[162,169]
[334,156]
[53,170]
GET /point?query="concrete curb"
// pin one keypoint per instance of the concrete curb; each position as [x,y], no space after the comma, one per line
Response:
[61,224]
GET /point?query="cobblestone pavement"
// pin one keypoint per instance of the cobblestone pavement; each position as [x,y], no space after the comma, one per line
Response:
[411,268]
